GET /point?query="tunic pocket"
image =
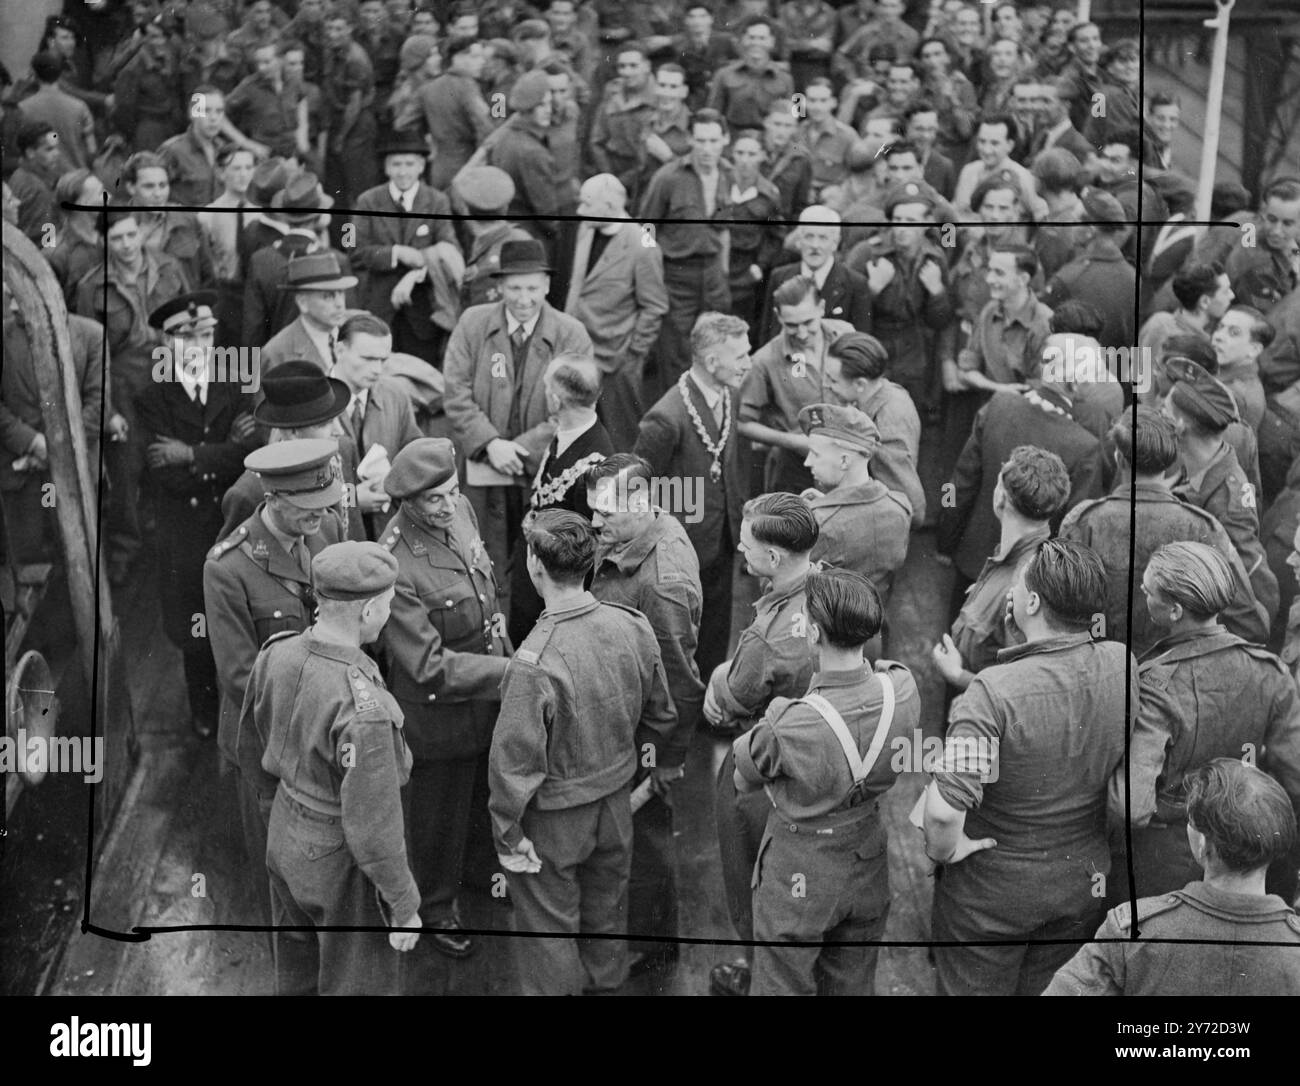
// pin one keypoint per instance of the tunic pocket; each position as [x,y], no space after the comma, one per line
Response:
[454,610]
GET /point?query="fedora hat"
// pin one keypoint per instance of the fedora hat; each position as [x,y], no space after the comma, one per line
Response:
[299,394]
[403,145]
[317,271]
[302,199]
[268,178]
[522,257]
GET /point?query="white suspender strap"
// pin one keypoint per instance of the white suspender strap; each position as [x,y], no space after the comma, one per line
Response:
[859,766]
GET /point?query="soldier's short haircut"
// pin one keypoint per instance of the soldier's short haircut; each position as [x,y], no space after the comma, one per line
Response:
[713,329]
[1003,119]
[1194,279]
[820,81]
[635,466]
[782,520]
[920,47]
[671,66]
[47,67]
[1025,257]
[32,134]
[531,30]
[1036,482]
[287,46]
[1161,98]
[1070,580]
[1127,137]
[1075,30]
[229,151]
[859,356]
[575,377]
[631,47]
[564,542]
[795,291]
[1284,188]
[457,44]
[363,324]
[845,606]
[1073,317]
[1194,575]
[1124,49]
[1058,170]
[1150,446]
[1261,331]
[708,116]
[1244,813]
[143,160]
[996,183]
[68,187]
[902,147]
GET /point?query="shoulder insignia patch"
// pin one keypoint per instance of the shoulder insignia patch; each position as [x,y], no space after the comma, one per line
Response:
[260,550]
[537,641]
[363,693]
[229,543]
[390,540]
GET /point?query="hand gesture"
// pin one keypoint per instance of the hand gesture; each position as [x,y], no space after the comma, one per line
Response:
[371,496]
[965,846]
[167,452]
[506,456]
[880,273]
[662,779]
[931,276]
[116,428]
[39,451]
[657,147]
[947,660]
[408,255]
[405,940]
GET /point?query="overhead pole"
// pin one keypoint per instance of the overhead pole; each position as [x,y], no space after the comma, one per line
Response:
[1213,109]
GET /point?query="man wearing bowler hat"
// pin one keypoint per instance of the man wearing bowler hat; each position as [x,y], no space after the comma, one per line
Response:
[300,402]
[319,289]
[268,307]
[318,720]
[412,265]
[257,583]
[447,649]
[495,397]
[196,428]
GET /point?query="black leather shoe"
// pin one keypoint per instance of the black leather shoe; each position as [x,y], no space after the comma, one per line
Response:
[450,944]
[730,978]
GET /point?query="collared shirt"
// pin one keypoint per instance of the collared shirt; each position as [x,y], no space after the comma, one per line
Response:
[675,202]
[322,339]
[742,94]
[980,631]
[783,380]
[1004,345]
[194,384]
[828,143]
[712,396]
[820,275]
[288,542]
[512,325]
[403,199]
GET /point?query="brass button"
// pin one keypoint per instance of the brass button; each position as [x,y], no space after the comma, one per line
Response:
[432,696]
[194,503]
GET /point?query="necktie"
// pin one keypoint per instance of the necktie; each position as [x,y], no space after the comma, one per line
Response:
[519,343]
[301,557]
[358,418]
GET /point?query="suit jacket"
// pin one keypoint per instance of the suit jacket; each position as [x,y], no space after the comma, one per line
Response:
[389,421]
[847,298]
[480,390]
[376,236]
[622,299]
[268,307]
[941,173]
[672,445]
[289,343]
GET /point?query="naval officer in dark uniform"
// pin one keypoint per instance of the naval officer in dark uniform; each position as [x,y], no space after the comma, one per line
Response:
[447,648]
[257,583]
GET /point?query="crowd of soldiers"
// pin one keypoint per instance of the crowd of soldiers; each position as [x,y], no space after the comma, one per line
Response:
[466,361]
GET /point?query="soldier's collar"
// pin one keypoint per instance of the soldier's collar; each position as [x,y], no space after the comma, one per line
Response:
[1044,644]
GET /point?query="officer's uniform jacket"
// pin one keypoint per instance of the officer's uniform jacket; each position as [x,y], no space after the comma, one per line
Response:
[1104,524]
[1225,964]
[1204,696]
[253,589]
[332,737]
[863,528]
[1224,491]
[445,643]
[575,696]
[659,575]
[772,659]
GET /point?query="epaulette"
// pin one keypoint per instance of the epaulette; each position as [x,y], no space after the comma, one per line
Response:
[1157,676]
[279,636]
[1147,908]
[230,542]
[542,632]
[1259,652]
[391,537]
[363,691]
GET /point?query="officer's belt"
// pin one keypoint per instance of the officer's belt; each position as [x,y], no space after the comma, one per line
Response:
[312,803]
[296,589]
[859,766]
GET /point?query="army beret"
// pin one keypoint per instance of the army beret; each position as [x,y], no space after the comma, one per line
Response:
[1205,398]
[529,92]
[1101,206]
[910,193]
[845,424]
[307,471]
[484,188]
[423,464]
[353,571]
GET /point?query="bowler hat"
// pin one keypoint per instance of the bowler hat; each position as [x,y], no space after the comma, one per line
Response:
[299,394]
[522,257]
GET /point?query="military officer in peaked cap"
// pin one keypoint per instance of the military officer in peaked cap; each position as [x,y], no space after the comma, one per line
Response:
[318,720]
[863,525]
[446,647]
[196,427]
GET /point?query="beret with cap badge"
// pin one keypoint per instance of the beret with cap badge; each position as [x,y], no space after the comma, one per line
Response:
[421,465]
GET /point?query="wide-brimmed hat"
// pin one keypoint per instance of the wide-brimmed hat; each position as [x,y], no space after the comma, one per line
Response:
[299,394]
[522,257]
[317,271]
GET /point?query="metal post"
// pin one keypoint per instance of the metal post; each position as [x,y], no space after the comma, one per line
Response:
[1213,109]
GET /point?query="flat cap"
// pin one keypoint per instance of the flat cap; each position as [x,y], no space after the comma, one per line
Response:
[353,571]
[484,188]
[423,464]
[1200,395]
[529,92]
[307,471]
[845,424]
